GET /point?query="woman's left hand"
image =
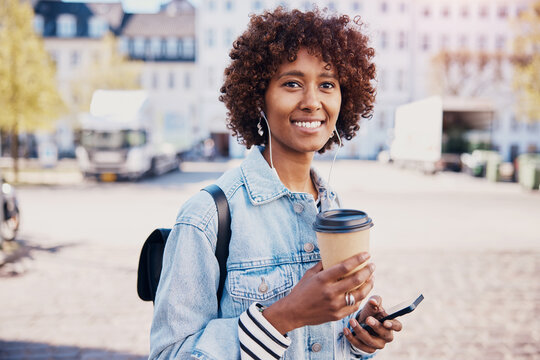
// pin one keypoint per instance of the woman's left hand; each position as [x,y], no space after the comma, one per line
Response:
[362,339]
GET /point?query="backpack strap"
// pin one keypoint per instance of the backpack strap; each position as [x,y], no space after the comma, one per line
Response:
[223,235]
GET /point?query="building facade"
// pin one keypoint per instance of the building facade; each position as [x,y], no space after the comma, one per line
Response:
[407,35]
[184,51]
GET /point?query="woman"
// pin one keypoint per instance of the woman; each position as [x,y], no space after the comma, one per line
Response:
[297,84]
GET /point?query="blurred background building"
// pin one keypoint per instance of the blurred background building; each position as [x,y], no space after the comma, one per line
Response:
[458,50]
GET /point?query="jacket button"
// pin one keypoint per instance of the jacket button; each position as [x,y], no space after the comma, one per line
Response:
[298,208]
[263,288]
[316,347]
[309,247]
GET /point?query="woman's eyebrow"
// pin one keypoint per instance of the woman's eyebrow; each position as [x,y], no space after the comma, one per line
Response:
[298,73]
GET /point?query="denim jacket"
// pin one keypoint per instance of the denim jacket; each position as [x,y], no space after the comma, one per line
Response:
[272,245]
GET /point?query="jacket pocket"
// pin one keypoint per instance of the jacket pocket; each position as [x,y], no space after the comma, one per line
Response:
[262,284]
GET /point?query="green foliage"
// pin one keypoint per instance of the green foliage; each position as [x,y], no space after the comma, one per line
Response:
[28,96]
[527,62]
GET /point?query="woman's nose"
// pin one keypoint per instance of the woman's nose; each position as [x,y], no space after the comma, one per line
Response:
[310,100]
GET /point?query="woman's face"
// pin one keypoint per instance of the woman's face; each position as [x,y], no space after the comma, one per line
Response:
[302,104]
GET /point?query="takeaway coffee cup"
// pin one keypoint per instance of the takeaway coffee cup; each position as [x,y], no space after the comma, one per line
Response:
[341,234]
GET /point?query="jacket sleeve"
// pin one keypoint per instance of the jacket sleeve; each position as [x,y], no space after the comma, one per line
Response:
[185,322]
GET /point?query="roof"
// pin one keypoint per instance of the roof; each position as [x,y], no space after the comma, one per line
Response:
[176,19]
[112,13]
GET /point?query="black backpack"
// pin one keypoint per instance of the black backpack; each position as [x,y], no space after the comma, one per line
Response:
[151,258]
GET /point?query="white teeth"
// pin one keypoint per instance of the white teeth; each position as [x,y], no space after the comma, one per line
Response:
[308,124]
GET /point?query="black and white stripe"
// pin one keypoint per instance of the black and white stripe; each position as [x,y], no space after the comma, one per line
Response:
[258,338]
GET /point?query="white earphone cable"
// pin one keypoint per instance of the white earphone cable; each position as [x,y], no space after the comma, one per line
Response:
[335,156]
[269,138]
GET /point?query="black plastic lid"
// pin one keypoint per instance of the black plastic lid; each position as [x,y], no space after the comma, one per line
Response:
[342,221]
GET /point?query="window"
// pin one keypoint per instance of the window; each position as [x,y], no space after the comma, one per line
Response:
[306,5]
[382,118]
[384,7]
[97,27]
[187,80]
[465,12]
[171,80]
[445,12]
[38,24]
[384,40]
[229,37]
[148,47]
[463,41]
[425,42]
[138,46]
[75,57]
[482,42]
[483,12]
[356,6]
[210,38]
[155,80]
[500,42]
[228,5]
[445,42]
[66,26]
[189,48]
[211,5]
[171,47]
[402,7]
[503,11]
[426,12]
[155,47]
[257,5]
[402,40]
[382,80]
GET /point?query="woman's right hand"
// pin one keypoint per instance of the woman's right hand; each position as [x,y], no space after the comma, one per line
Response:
[319,297]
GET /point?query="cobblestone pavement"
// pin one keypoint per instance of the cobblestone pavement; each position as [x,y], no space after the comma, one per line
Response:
[71,292]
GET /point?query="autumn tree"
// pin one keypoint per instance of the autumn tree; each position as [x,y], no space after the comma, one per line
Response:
[468,73]
[527,62]
[29,99]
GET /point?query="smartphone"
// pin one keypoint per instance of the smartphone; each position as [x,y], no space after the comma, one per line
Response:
[398,310]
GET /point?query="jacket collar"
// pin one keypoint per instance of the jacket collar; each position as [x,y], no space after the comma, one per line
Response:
[262,182]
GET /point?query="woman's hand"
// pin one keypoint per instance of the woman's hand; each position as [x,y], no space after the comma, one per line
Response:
[362,339]
[319,297]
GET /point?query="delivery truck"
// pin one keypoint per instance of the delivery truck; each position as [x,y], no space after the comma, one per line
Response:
[431,134]
[124,137]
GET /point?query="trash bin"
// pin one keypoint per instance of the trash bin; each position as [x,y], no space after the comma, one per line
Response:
[529,171]
[493,164]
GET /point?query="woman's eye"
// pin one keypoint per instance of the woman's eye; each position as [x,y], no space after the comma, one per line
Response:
[327,85]
[291,84]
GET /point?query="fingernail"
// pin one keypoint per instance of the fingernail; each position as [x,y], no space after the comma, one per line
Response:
[365,256]
[346,332]
[388,324]
[371,321]
[372,267]
[353,323]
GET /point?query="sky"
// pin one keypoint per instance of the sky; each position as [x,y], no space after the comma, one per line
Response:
[136,6]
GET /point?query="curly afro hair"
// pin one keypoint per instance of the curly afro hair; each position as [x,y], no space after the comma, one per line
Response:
[275,37]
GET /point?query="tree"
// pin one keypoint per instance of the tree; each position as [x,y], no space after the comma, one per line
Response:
[467,73]
[29,99]
[111,71]
[527,62]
